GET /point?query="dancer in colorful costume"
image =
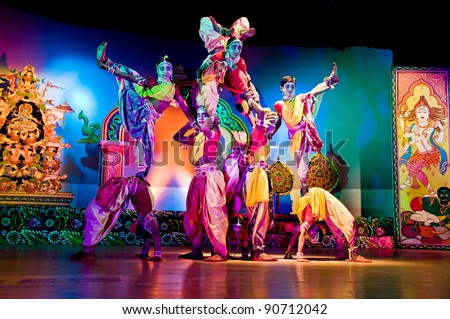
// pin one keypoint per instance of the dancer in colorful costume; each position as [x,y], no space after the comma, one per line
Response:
[257,185]
[225,67]
[215,36]
[205,201]
[233,170]
[319,204]
[141,103]
[298,113]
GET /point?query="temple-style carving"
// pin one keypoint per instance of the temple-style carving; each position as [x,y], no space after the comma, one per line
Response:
[29,147]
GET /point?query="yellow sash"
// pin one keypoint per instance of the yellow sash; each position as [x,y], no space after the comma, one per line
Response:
[316,199]
[292,115]
[257,187]
[197,151]
[161,92]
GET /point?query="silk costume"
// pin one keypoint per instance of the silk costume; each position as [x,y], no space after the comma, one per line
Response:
[319,204]
[138,116]
[205,201]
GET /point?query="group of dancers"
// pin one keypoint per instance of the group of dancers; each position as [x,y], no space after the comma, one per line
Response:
[217,196]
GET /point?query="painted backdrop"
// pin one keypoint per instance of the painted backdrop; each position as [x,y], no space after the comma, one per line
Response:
[354,119]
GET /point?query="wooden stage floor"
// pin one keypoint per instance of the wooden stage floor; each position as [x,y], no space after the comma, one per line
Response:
[45,272]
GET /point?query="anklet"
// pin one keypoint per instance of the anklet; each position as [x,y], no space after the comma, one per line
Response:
[140,80]
[157,253]
[112,66]
[299,255]
[259,247]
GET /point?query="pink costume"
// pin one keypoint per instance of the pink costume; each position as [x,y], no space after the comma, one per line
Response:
[105,209]
[205,209]
[234,173]
[233,168]
[138,116]
[205,201]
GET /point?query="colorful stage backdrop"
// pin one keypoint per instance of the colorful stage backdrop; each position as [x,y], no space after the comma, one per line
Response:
[354,119]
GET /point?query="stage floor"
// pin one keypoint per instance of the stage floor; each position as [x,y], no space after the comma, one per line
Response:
[45,272]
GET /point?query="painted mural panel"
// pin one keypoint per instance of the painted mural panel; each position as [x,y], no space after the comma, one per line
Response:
[421,150]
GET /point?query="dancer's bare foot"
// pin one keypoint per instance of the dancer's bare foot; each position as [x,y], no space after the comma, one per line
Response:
[215,258]
[263,257]
[237,138]
[360,259]
[333,76]
[215,25]
[242,138]
[302,260]
[247,34]
[101,54]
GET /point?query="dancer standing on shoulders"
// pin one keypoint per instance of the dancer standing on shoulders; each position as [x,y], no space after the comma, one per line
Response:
[226,67]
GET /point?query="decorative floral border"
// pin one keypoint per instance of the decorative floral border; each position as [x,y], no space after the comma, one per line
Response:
[48,225]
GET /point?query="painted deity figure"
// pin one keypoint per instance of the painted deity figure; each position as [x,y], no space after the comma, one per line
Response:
[422,149]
